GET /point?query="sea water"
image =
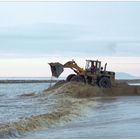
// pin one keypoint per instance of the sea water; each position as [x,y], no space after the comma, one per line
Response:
[13,105]
[26,112]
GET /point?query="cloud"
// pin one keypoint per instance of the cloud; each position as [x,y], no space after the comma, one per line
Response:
[41,40]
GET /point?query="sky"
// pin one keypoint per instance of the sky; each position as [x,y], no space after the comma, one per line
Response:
[32,34]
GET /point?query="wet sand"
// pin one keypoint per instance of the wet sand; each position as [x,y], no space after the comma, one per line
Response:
[76,89]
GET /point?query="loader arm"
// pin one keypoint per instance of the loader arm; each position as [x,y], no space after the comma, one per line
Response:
[74,67]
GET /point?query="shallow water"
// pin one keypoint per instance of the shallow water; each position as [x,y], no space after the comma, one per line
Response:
[13,106]
[59,116]
[117,117]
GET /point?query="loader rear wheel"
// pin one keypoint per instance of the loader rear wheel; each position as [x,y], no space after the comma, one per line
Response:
[78,78]
[104,82]
[69,77]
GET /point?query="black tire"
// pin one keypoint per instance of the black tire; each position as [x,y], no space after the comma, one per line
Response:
[78,78]
[69,77]
[104,82]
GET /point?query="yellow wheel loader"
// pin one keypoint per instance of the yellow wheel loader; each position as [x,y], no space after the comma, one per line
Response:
[93,73]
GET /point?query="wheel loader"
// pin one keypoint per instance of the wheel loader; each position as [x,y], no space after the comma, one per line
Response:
[93,73]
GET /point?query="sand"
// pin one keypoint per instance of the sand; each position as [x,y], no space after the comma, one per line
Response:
[81,90]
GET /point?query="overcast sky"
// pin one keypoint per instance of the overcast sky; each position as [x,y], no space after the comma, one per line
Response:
[45,31]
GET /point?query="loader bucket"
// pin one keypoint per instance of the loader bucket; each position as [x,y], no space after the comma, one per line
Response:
[56,69]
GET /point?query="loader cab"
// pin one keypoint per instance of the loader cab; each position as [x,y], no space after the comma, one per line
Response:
[93,63]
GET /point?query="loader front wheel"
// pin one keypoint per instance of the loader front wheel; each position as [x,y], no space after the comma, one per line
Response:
[78,78]
[69,77]
[104,82]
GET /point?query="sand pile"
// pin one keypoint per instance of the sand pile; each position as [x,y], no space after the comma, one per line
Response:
[81,90]
[75,90]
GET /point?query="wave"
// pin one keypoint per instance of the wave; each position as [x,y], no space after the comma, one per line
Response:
[65,112]
[69,104]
